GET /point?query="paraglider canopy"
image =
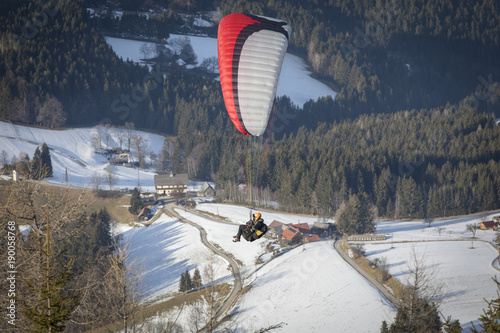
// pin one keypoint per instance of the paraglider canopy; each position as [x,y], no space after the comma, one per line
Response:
[251,50]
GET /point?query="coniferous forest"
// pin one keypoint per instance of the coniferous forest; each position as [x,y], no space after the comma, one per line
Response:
[413,126]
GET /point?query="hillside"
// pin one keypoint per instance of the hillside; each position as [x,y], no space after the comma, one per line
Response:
[73,156]
[313,280]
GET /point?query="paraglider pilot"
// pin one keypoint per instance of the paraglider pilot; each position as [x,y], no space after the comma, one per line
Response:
[252,230]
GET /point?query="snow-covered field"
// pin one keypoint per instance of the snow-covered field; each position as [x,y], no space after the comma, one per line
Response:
[464,273]
[312,289]
[295,80]
[165,249]
[72,151]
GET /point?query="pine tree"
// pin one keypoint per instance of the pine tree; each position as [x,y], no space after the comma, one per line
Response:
[189,282]
[490,319]
[452,326]
[101,234]
[185,283]
[182,283]
[36,171]
[384,328]
[54,307]
[423,317]
[135,202]
[356,218]
[46,161]
[54,302]
[197,279]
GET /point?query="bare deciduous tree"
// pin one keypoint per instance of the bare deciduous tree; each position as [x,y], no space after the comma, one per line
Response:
[146,49]
[123,285]
[96,181]
[96,141]
[111,178]
[429,220]
[121,136]
[129,132]
[472,228]
[140,146]
[383,265]
[440,230]
[211,64]
[4,158]
[106,134]
[51,113]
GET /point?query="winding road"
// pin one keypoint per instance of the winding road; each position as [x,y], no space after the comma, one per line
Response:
[229,301]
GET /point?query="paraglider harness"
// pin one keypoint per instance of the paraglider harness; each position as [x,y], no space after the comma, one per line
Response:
[254,230]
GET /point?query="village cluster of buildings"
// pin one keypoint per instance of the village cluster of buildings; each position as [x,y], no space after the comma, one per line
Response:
[291,234]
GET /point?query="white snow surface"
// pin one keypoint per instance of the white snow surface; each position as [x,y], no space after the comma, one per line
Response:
[312,289]
[465,273]
[71,150]
[165,249]
[295,80]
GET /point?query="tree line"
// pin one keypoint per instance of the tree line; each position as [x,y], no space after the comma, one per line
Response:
[410,164]
[389,55]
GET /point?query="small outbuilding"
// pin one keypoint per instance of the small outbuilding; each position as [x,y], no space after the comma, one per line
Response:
[144,214]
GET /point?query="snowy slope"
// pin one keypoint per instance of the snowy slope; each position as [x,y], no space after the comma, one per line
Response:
[466,274]
[312,289]
[72,150]
[166,249]
[295,80]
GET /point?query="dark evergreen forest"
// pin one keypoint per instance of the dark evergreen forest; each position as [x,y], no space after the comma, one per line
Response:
[412,127]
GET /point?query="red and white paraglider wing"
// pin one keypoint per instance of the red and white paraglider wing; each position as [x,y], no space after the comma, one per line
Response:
[251,50]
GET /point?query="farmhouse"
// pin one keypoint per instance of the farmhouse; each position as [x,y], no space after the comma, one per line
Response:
[123,158]
[171,183]
[291,235]
[488,225]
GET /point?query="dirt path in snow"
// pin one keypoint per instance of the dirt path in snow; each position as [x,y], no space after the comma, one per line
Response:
[229,301]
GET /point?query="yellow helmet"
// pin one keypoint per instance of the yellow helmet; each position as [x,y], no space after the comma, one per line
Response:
[256,216]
